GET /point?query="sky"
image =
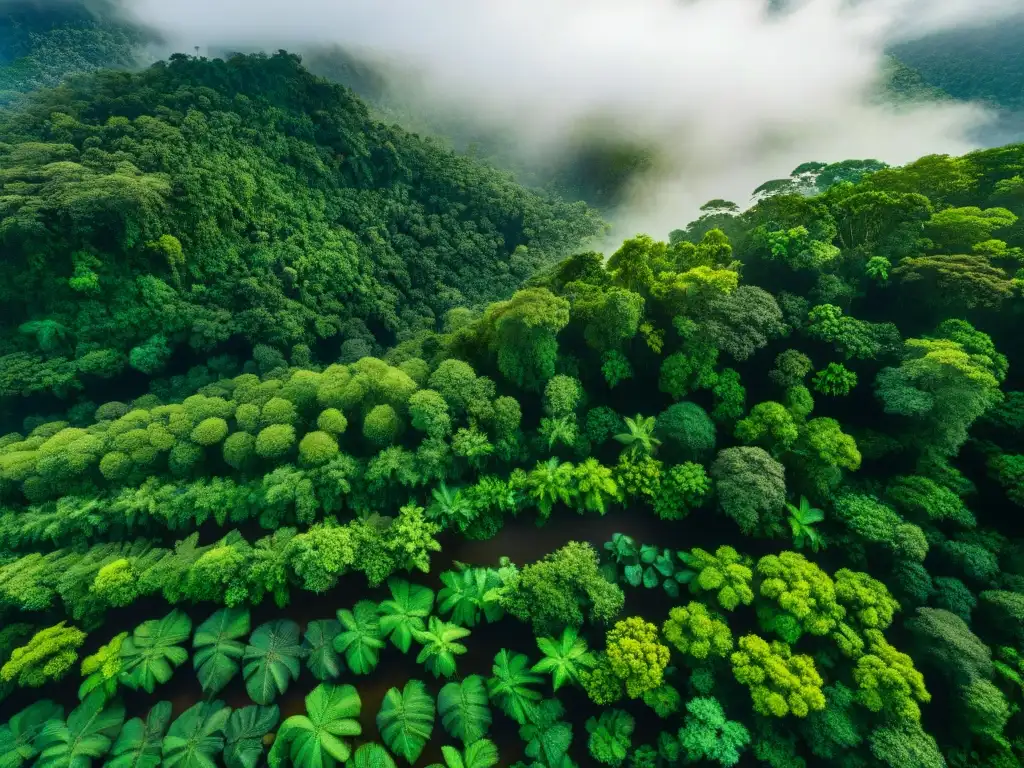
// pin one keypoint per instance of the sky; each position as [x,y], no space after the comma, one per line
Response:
[728,94]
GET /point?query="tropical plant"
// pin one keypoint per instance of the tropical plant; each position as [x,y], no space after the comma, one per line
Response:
[441,645]
[18,735]
[140,741]
[564,658]
[646,565]
[802,520]
[465,595]
[610,736]
[102,670]
[317,738]
[510,685]
[406,611]
[360,638]
[406,720]
[217,649]
[465,709]
[196,738]
[272,660]
[244,735]
[639,439]
[547,736]
[372,756]
[153,651]
[86,736]
[450,508]
[318,646]
[479,754]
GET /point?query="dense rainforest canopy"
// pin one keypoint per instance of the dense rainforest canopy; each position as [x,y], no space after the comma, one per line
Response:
[328,446]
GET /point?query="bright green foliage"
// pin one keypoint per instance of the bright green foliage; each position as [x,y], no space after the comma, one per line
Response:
[693,631]
[217,650]
[707,734]
[468,596]
[924,500]
[406,720]
[835,379]
[554,592]
[549,483]
[464,709]
[616,368]
[372,756]
[522,332]
[562,395]
[867,601]
[18,735]
[154,650]
[139,743]
[730,397]
[602,684]
[835,728]
[769,424]
[272,660]
[275,441]
[886,679]
[686,428]
[899,745]
[404,614]
[877,523]
[638,477]
[479,754]
[725,573]
[101,670]
[791,368]
[564,658]
[636,656]
[644,756]
[47,656]
[751,488]
[361,638]
[88,734]
[664,700]
[318,738]
[317,448]
[546,737]
[441,645]
[244,734]
[332,421]
[780,683]
[639,436]
[611,736]
[802,591]
[381,425]
[318,647]
[802,522]
[510,685]
[595,486]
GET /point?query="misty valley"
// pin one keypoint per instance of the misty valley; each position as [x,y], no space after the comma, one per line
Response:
[366,404]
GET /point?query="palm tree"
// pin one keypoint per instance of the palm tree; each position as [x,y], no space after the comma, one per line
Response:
[451,508]
[640,438]
[802,520]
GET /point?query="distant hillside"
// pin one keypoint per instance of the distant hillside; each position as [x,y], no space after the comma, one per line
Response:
[201,201]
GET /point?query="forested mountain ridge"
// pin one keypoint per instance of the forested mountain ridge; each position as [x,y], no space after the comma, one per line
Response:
[198,200]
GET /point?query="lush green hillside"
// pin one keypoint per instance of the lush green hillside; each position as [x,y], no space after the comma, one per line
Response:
[805,418]
[201,201]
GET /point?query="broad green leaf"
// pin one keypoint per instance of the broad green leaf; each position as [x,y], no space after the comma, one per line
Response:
[272,660]
[406,720]
[244,734]
[509,685]
[464,709]
[372,756]
[547,738]
[321,658]
[217,649]
[564,658]
[196,738]
[360,638]
[634,574]
[466,596]
[650,578]
[405,612]
[315,740]
[480,754]
[87,735]
[140,741]
[154,650]
[19,733]
[440,646]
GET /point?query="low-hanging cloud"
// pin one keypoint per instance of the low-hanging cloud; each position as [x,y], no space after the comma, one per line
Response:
[727,93]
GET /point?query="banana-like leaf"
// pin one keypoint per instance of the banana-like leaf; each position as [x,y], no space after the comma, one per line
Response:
[360,639]
[323,661]
[464,708]
[196,738]
[140,741]
[18,735]
[315,740]
[86,736]
[372,756]
[272,660]
[509,685]
[218,649]
[153,651]
[406,720]
[244,735]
